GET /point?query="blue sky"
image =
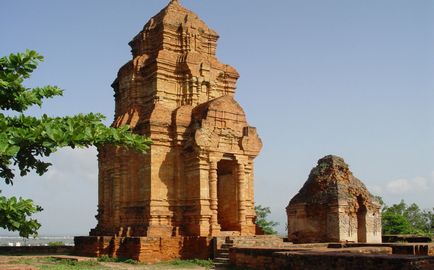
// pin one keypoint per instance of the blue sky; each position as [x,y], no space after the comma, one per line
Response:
[344,77]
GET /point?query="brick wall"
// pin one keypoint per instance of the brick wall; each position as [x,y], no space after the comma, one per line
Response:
[418,249]
[145,249]
[272,259]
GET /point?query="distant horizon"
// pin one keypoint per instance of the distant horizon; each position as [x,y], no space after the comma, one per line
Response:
[39,236]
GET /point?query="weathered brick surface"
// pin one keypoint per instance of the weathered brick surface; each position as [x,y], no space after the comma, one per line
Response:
[145,249]
[417,249]
[93,246]
[406,238]
[333,206]
[197,179]
[273,259]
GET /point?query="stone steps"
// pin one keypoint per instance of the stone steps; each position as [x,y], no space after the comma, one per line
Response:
[221,260]
[219,266]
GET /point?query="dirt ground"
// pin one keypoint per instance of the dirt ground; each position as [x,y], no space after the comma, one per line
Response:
[80,263]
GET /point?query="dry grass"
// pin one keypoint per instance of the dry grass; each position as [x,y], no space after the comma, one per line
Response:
[71,263]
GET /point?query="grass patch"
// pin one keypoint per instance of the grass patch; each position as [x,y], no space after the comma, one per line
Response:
[71,262]
[50,263]
[55,244]
[27,261]
[59,264]
[130,261]
[189,263]
[106,258]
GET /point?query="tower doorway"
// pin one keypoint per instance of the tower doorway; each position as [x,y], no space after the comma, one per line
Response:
[227,194]
[361,221]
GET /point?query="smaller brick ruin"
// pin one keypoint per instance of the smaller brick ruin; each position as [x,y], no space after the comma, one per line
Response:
[333,206]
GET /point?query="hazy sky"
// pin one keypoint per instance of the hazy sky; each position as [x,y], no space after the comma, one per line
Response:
[346,77]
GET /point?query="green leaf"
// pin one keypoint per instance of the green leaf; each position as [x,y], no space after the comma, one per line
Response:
[12,150]
[25,140]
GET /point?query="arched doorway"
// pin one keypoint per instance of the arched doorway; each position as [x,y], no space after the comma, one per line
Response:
[361,221]
[227,194]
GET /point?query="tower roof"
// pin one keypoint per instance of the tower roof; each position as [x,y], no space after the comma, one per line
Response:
[174,63]
[176,19]
[331,180]
[175,14]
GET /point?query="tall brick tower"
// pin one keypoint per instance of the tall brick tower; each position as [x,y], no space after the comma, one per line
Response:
[197,179]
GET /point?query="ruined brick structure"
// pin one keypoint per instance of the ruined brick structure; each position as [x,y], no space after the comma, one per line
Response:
[197,179]
[333,206]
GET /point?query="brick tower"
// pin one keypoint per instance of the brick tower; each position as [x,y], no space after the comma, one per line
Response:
[197,178]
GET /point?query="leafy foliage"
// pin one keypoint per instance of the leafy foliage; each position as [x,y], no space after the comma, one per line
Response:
[13,70]
[407,219]
[15,216]
[395,224]
[26,140]
[262,221]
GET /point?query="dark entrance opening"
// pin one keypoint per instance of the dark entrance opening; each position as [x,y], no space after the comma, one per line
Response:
[361,221]
[227,195]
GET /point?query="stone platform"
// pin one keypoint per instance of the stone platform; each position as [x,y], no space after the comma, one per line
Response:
[416,249]
[335,256]
[144,249]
